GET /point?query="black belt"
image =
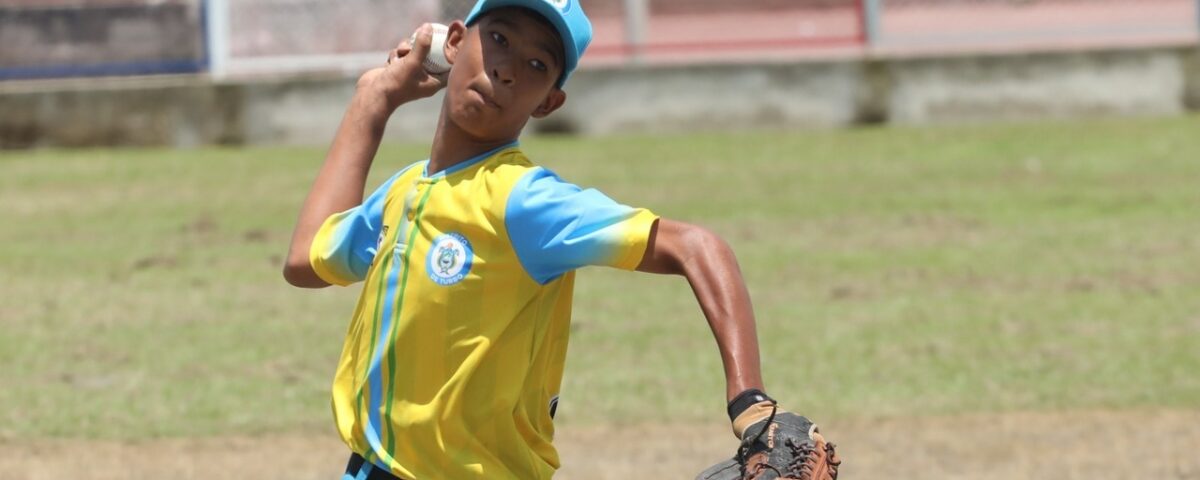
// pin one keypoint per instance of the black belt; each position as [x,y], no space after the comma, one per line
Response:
[357,464]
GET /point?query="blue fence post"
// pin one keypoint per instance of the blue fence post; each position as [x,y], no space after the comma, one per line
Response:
[637,15]
[872,12]
[216,36]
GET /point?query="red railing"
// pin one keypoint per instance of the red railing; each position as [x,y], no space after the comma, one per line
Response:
[679,30]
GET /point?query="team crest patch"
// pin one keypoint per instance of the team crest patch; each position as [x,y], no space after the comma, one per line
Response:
[449,260]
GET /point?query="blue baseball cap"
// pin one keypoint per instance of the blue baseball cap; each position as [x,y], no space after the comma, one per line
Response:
[567,16]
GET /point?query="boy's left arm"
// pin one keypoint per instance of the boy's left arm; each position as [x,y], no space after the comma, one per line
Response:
[772,439]
[678,248]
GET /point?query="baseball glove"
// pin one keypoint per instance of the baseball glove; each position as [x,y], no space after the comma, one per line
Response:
[779,445]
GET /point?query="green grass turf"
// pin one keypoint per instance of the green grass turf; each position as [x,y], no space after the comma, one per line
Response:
[895,271]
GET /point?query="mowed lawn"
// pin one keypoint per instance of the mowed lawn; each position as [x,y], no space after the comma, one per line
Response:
[899,271]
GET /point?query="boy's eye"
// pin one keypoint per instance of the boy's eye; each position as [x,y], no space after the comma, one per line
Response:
[500,39]
[538,65]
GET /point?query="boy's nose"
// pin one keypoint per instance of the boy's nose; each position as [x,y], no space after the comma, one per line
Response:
[503,73]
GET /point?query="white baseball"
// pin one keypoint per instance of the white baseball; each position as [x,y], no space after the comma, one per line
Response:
[436,63]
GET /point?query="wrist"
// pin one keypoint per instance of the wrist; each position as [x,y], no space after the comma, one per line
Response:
[381,93]
[748,408]
[743,401]
[372,104]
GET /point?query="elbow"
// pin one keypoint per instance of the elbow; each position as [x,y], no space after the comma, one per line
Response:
[678,248]
[712,241]
[291,274]
[699,246]
[702,242]
[302,275]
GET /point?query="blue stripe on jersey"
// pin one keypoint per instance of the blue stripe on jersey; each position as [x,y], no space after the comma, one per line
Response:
[365,472]
[374,373]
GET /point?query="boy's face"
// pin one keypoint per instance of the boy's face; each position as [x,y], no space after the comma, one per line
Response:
[506,67]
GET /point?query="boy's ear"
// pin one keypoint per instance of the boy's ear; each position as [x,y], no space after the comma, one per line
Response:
[553,101]
[454,39]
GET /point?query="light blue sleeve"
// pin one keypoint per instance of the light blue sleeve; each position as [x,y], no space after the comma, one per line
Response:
[556,227]
[345,245]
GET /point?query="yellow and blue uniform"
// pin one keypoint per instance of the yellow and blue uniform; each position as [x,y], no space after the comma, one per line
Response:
[454,357]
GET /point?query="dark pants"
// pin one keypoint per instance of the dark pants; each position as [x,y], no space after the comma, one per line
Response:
[360,469]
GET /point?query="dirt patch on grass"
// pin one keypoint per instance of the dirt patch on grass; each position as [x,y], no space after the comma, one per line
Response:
[1073,445]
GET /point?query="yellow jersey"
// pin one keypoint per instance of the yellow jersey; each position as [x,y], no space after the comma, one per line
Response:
[454,357]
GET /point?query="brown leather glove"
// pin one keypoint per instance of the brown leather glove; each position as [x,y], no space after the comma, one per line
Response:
[776,445]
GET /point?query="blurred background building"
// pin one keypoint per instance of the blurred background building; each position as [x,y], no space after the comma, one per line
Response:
[858,51]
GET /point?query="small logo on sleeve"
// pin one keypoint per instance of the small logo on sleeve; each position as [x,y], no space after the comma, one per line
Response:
[449,259]
[563,6]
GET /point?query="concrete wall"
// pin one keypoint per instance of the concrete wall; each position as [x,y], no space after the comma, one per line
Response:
[709,98]
[1062,85]
[189,110]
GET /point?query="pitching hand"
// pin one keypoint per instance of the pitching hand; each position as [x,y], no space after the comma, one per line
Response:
[403,78]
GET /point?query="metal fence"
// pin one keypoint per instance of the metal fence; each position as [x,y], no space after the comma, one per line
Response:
[231,38]
[980,25]
[272,36]
[692,30]
[249,37]
[58,38]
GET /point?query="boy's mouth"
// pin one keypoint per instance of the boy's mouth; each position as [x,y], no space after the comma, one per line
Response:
[485,97]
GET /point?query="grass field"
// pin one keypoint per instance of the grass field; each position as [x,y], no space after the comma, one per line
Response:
[929,272]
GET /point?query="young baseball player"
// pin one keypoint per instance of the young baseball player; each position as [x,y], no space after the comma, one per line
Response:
[454,356]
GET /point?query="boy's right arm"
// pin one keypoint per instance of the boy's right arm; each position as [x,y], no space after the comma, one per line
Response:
[340,183]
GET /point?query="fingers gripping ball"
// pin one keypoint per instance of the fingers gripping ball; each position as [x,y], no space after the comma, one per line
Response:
[779,446]
[436,63]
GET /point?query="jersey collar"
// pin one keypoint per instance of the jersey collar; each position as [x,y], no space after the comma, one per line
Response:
[468,163]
